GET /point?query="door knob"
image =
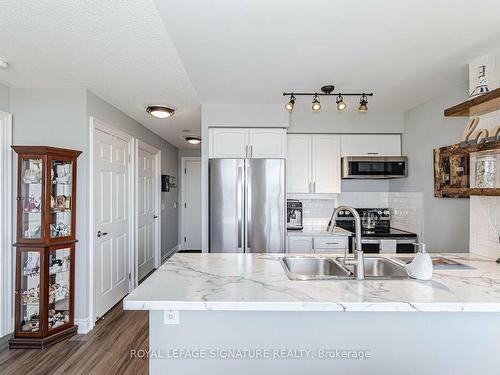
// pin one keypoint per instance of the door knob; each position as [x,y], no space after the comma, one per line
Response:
[99,234]
[155,216]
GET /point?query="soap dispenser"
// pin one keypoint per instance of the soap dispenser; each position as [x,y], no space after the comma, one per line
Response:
[421,267]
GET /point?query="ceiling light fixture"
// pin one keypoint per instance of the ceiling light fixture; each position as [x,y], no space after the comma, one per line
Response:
[328,91]
[340,103]
[363,104]
[316,105]
[193,140]
[159,111]
[290,104]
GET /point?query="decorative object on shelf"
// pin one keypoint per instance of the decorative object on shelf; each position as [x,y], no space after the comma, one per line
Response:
[482,85]
[327,91]
[45,247]
[63,174]
[33,175]
[486,172]
[33,205]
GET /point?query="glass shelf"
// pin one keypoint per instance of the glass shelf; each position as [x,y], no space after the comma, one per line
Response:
[61,198]
[30,292]
[59,287]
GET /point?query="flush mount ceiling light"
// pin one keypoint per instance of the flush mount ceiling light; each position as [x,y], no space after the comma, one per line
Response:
[316,105]
[290,104]
[159,111]
[328,91]
[340,103]
[193,140]
[363,104]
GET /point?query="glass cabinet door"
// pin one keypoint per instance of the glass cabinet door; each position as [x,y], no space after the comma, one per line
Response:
[61,200]
[59,287]
[29,293]
[31,198]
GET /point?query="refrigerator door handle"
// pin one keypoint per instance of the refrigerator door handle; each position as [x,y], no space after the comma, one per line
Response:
[240,205]
[248,210]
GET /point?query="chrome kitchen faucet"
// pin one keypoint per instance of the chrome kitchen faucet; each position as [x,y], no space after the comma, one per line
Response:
[359,259]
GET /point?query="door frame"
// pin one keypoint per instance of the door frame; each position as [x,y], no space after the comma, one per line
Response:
[95,123]
[182,194]
[157,152]
[6,226]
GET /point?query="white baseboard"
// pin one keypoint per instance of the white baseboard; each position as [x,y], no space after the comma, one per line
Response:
[84,325]
[169,253]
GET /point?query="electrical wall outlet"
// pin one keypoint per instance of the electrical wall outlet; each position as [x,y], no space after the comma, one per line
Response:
[171,317]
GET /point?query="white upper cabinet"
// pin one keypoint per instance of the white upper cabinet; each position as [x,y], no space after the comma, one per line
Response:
[228,142]
[267,143]
[326,163]
[371,145]
[313,163]
[247,143]
[299,163]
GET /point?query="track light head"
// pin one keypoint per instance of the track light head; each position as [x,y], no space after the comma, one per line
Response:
[341,105]
[363,103]
[316,105]
[290,104]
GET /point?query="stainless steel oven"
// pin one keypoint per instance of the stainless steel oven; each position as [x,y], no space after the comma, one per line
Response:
[374,167]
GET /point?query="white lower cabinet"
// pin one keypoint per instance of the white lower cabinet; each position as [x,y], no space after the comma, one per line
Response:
[317,245]
[330,245]
[298,244]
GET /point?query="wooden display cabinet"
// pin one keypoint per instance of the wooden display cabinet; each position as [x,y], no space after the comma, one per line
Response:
[45,247]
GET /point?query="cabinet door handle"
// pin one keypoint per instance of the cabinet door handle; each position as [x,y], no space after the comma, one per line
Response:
[372,153]
[331,243]
[314,186]
[155,216]
[251,151]
[246,151]
[310,189]
[99,234]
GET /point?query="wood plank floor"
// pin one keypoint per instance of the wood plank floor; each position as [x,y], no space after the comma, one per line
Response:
[105,350]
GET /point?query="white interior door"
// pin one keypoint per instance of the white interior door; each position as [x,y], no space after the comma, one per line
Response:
[147,216]
[111,221]
[191,204]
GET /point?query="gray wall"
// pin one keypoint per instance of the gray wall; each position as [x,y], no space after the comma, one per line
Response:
[96,107]
[57,117]
[60,117]
[4,98]
[445,220]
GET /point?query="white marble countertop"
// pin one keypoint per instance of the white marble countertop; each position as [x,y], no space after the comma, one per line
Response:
[318,231]
[257,282]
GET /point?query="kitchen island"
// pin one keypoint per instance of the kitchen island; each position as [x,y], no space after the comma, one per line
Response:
[228,313]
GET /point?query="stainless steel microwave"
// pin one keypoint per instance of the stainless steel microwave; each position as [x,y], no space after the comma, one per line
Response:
[374,167]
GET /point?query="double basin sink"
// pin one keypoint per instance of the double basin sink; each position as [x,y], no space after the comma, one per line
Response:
[325,268]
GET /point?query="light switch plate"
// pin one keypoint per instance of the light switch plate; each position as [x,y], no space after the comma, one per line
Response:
[170,317]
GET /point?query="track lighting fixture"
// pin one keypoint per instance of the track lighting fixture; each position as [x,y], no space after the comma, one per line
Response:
[290,104]
[328,91]
[316,105]
[363,107]
[340,103]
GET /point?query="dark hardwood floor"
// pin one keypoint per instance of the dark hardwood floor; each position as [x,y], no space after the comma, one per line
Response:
[104,350]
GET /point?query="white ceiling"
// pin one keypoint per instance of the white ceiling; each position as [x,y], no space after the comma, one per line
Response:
[404,51]
[120,50]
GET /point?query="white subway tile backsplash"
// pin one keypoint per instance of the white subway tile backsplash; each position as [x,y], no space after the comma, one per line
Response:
[484,226]
[406,208]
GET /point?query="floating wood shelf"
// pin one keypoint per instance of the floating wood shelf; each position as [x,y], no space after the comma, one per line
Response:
[477,106]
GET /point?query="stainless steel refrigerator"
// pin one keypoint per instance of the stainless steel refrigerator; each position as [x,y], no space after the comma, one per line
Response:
[247,205]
